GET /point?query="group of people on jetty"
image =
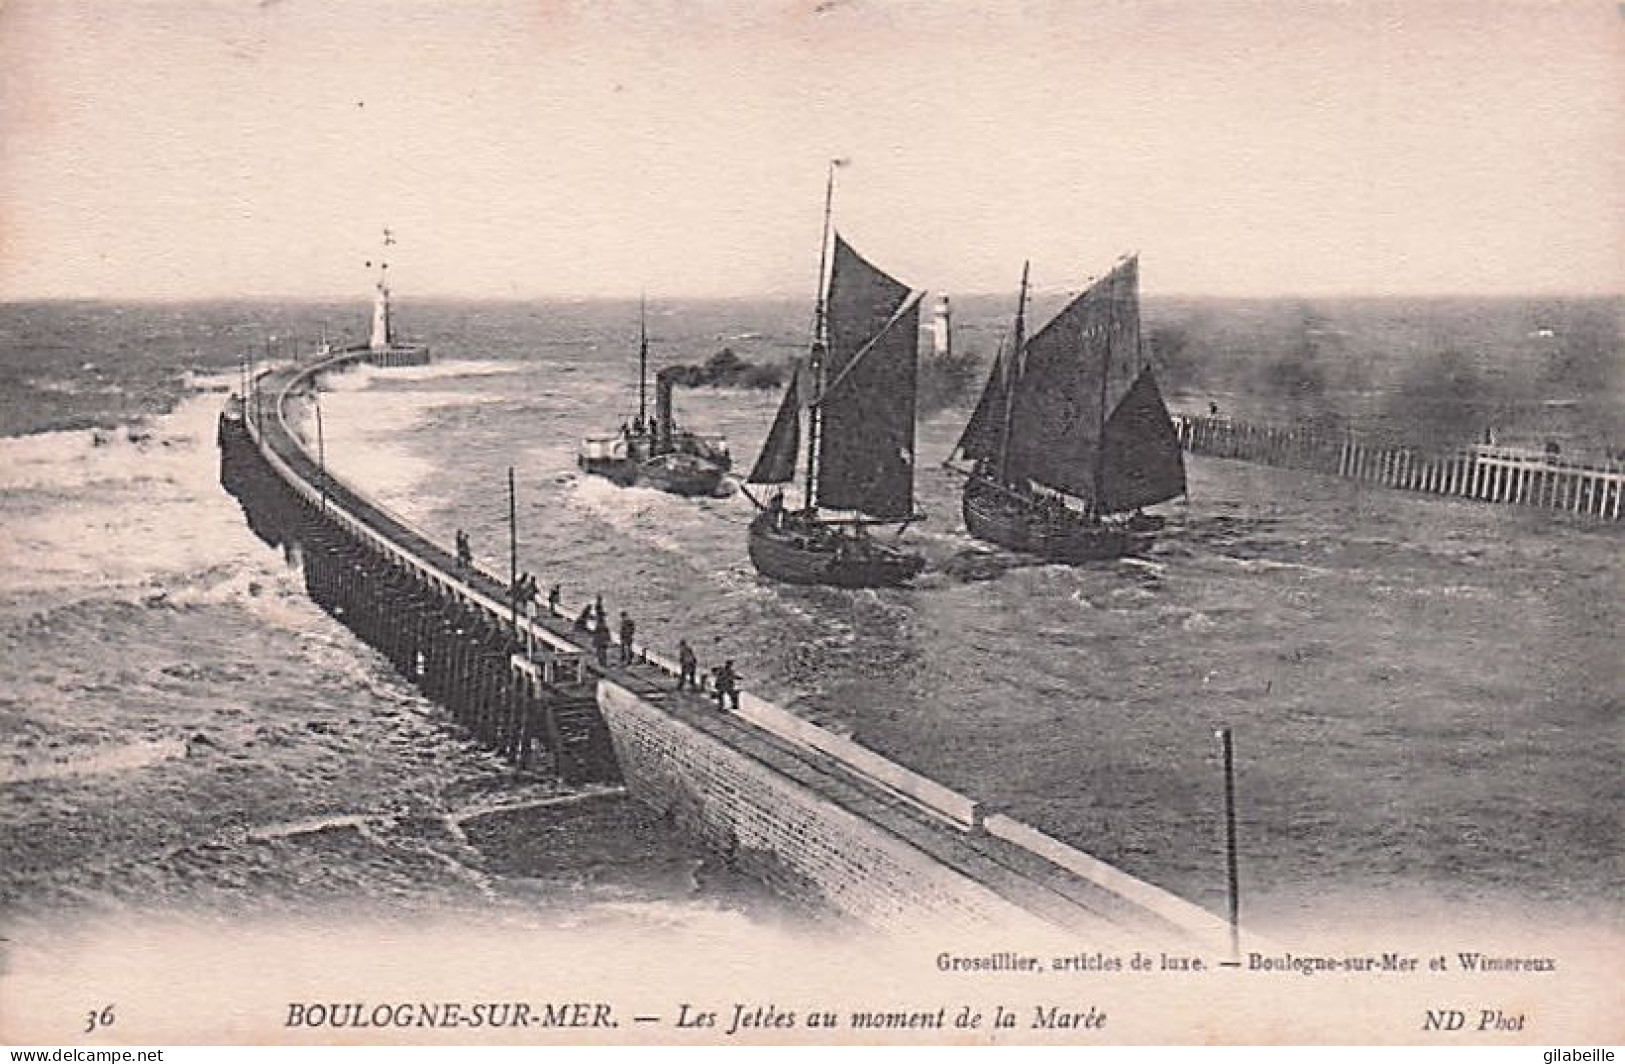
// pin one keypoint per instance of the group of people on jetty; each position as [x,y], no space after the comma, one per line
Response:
[594,620]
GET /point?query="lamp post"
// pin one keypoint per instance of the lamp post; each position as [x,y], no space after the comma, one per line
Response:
[1228,751]
[321,448]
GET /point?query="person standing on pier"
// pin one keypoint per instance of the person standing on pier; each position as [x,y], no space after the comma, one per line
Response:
[600,643]
[727,685]
[553,594]
[628,629]
[599,613]
[688,667]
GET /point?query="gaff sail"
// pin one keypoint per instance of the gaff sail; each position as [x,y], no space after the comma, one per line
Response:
[777,462]
[862,301]
[1074,372]
[984,432]
[1141,460]
[866,451]
[866,432]
[1085,414]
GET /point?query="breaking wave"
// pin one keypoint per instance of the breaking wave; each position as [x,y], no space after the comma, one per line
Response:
[124,757]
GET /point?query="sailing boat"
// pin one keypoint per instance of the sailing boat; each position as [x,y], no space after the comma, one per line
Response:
[1073,414]
[652,451]
[857,387]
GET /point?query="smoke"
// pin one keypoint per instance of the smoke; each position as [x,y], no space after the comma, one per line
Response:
[1179,366]
[1299,377]
[1286,360]
[1584,361]
[1434,373]
[725,370]
[1442,402]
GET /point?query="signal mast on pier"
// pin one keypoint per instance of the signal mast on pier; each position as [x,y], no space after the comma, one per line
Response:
[382,346]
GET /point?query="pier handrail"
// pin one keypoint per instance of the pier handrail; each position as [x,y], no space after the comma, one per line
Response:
[350,354]
[446,577]
[1153,899]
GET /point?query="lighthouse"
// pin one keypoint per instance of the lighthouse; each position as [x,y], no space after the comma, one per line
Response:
[383,349]
[381,338]
[942,339]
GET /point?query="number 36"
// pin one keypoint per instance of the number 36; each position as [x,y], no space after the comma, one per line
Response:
[94,1019]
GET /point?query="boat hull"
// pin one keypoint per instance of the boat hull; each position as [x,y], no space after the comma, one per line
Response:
[995,516]
[678,474]
[823,557]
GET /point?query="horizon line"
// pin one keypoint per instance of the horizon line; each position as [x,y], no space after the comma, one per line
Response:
[407,300]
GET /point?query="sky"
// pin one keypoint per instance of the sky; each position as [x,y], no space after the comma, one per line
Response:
[225,148]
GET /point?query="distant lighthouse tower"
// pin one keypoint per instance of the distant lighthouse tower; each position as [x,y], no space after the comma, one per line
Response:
[382,336]
[380,316]
[383,349]
[942,337]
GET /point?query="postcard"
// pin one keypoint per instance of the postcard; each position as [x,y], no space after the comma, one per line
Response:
[802,523]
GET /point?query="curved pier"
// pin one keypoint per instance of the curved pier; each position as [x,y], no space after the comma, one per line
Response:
[810,812]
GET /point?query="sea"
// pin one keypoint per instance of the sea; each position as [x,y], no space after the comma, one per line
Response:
[1425,694]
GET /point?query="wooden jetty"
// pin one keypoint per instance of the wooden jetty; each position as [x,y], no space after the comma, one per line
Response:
[525,691]
[812,813]
[1482,472]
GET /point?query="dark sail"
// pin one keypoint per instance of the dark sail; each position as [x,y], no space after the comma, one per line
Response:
[982,436]
[861,301]
[1071,375]
[1143,462]
[866,450]
[777,462]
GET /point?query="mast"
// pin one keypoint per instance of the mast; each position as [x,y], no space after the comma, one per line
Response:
[643,362]
[1098,503]
[513,550]
[1010,367]
[820,344]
